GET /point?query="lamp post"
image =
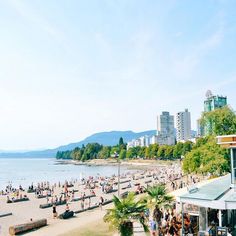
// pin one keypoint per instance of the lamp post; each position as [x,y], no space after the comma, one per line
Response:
[117,156]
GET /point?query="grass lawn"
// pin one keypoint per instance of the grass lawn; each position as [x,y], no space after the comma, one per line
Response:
[98,228]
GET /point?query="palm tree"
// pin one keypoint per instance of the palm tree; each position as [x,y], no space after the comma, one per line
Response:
[124,211]
[156,199]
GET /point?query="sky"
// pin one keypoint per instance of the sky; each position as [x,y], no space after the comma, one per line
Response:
[69,69]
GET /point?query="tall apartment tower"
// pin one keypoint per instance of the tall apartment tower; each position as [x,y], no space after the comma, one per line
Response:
[183,126]
[165,129]
[213,102]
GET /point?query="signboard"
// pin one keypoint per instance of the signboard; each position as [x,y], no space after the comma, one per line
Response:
[191,209]
[221,231]
[227,141]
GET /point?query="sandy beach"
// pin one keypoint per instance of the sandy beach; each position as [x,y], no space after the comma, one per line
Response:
[22,212]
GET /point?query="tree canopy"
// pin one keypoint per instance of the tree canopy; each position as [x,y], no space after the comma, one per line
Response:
[153,151]
[124,210]
[222,121]
[207,157]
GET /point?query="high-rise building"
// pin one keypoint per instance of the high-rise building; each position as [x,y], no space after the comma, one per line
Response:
[183,126]
[213,102]
[165,129]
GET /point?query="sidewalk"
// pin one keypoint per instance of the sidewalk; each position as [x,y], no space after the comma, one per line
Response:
[138,230]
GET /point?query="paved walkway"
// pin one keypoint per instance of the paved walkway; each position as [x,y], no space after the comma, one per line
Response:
[138,230]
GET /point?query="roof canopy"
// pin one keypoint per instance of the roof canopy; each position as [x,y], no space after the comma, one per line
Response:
[216,194]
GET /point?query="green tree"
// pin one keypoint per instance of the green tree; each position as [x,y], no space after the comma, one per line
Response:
[114,149]
[131,153]
[148,151]
[207,158]
[169,152]
[105,152]
[154,150]
[121,141]
[123,211]
[201,141]
[141,152]
[122,145]
[222,121]
[187,147]
[178,150]
[161,151]
[156,199]
[122,154]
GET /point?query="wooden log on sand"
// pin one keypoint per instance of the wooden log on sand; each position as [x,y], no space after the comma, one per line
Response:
[31,190]
[68,186]
[80,198]
[107,202]
[79,211]
[18,229]
[41,196]
[5,214]
[111,191]
[47,205]
[18,200]
[92,207]
[122,182]
[147,176]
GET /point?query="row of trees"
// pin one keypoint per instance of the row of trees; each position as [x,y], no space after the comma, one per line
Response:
[154,151]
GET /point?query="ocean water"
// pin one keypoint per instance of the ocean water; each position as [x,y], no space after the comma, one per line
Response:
[25,171]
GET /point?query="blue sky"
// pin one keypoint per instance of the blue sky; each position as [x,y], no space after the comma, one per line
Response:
[72,68]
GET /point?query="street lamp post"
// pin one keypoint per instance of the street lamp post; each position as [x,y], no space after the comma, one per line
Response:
[117,156]
[118,177]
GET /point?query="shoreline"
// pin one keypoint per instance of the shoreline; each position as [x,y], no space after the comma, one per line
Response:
[140,163]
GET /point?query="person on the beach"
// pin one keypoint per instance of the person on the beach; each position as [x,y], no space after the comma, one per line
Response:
[67,207]
[101,202]
[82,204]
[54,211]
[89,201]
[153,227]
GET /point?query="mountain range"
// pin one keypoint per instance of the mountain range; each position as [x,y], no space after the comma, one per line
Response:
[105,138]
[110,138]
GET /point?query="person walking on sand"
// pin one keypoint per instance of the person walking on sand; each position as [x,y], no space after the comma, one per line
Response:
[54,211]
[82,204]
[101,202]
[89,202]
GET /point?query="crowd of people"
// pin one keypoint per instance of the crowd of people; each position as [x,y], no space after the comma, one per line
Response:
[168,223]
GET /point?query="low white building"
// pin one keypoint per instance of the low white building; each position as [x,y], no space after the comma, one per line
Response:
[153,139]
